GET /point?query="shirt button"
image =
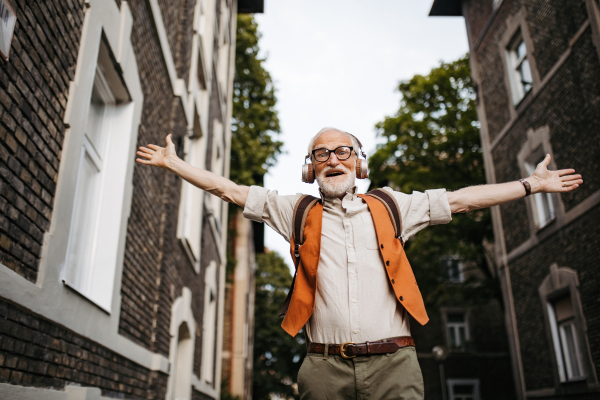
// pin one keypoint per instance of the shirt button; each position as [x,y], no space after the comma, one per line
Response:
[356,331]
[387,263]
[401,298]
[382,245]
[393,281]
[354,300]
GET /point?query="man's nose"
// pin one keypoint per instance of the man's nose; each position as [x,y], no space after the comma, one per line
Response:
[333,160]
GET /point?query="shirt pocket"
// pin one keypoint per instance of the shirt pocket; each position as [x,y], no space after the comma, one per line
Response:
[367,228]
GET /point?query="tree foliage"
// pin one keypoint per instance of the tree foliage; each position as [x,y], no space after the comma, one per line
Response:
[277,355]
[433,142]
[253,146]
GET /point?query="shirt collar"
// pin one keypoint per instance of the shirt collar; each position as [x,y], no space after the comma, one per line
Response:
[352,192]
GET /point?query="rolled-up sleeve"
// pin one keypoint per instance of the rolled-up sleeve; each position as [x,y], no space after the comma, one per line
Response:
[263,205]
[439,207]
[419,210]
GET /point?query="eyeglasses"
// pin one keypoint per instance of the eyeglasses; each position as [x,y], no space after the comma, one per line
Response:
[342,153]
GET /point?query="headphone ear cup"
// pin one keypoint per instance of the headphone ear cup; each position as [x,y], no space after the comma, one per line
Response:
[362,169]
[308,173]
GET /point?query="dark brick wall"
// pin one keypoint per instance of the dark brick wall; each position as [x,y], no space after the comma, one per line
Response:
[178,17]
[33,94]
[36,352]
[480,11]
[551,25]
[574,247]
[34,87]
[570,106]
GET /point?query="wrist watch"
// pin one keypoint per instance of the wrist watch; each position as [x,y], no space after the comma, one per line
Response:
[527,187]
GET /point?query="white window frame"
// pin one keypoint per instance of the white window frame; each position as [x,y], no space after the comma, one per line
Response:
[209,325]
[455,326]
[446,263]
[541,203]
[191,206]
[455,382]
[181,350]
[516,28]
[535,147]
[515,63]
[562,282]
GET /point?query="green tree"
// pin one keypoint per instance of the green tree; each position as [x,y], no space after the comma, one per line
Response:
[253,146]
[277,355]
[431,142]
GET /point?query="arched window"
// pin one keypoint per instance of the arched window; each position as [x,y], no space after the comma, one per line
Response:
[182,372]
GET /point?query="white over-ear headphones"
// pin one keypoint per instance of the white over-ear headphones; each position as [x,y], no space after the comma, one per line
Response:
[362,165]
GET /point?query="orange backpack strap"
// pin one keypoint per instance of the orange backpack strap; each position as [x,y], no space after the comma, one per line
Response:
[393,210]
[301,210]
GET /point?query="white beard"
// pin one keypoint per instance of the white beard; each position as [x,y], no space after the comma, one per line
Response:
[337,185]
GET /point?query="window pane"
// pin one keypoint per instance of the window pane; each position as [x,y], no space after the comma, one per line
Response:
[456,317]
[564,309]
[464,389]
[526,78]
[462,336]
[84,223]
[521,49]
[95,120]
[452,333]
[570,349]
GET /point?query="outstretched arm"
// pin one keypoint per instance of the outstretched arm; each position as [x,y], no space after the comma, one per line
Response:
[165,157]
[542,180]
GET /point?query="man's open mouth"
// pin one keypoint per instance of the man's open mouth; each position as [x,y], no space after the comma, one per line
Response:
[333,173]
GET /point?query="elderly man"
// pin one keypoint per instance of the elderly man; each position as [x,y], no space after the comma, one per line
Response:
[355,311]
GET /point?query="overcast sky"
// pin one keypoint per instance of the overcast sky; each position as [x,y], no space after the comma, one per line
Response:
[338,63]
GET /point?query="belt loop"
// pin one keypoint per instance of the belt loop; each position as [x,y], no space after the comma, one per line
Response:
[326,351]
[368,349]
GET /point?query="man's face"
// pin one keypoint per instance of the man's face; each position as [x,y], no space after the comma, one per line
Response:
[334,176]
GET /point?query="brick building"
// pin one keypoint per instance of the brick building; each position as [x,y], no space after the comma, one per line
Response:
[473,334]
[112,273]
[536,65]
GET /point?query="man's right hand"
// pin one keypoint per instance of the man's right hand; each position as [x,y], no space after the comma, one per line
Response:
[156,155]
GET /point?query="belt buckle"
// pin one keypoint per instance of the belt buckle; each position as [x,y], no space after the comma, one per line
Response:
[342,350]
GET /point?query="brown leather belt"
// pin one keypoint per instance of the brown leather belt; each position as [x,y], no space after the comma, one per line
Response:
[351,349]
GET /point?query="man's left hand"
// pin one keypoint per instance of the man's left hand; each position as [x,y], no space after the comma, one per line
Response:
[546,181]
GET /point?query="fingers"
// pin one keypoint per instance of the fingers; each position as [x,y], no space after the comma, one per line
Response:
[572,187]
[154,147]
[147,150]
[572,182]
[562,172]
[142,161]
[570,177]
[145,155]
[169,140]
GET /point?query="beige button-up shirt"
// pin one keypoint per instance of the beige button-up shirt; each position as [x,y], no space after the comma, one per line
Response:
[354,300]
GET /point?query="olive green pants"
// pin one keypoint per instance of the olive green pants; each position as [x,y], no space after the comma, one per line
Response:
[379,377]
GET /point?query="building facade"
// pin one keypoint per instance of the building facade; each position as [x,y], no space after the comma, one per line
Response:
[112,273]
[476,359]
[536,65]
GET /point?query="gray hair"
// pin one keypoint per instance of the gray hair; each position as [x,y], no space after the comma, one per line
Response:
[355,143]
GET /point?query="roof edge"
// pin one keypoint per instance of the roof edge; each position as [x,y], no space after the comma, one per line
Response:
[446,8]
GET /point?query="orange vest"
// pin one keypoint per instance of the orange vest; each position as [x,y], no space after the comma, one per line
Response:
[399,272]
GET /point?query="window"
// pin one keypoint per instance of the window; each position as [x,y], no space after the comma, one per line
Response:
[564,338]
[183,364]
[95,220]
[543,209]
[189,228]
[209,325]
[560,296]
[463,389]
[456,326]
[519,70]
[452,267]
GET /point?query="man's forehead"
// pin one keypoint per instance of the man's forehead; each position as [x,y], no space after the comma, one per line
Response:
[332,138]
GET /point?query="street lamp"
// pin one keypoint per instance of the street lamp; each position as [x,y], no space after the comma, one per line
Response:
[440,353]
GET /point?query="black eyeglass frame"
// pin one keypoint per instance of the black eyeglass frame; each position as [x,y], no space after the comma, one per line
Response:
[332,151]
